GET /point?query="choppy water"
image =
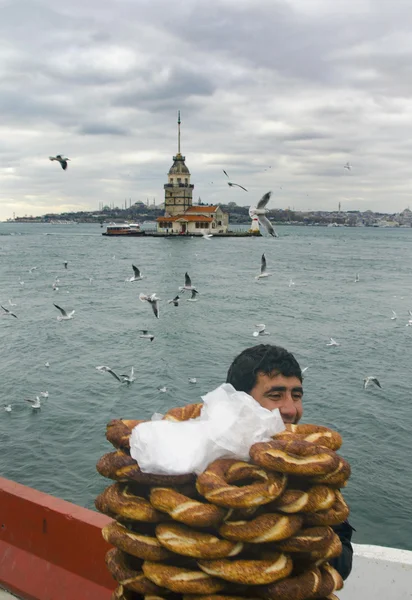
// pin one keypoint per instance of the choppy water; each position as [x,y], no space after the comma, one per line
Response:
[55,449]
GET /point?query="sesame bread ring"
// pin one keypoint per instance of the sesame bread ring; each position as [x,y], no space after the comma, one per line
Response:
[120,466]
[338,513]
[118,432]
[185,541]
[331,580]
[294,456]
[333,551]
[214,484]
[312,539]
[298,587]
[338,477]
[184,413]
[249,572]
[137,544]
[181,580]
[269,527]
[318,497]
[119,501]
[316,434]
[184,509]
[126,570]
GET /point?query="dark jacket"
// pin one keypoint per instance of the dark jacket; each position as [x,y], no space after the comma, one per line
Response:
[343,563]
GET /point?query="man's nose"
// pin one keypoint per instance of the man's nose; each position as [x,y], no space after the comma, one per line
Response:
[288,409]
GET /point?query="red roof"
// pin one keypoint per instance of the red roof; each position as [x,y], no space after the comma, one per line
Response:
[202,209]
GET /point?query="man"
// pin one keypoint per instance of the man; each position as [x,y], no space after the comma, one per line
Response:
[272,376]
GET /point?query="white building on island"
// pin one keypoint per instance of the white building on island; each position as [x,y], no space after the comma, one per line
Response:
[181,216]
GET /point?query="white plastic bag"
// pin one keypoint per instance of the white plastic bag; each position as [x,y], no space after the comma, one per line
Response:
[229,424]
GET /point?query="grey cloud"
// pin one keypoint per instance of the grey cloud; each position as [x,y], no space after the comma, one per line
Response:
[177,85]
[102,129]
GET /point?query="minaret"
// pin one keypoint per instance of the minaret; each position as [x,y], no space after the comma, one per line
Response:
[178,189]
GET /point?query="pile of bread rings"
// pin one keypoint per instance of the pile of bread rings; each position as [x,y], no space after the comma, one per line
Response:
[259,530]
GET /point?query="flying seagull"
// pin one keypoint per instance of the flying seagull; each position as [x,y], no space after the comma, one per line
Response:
[61,159]
[263,272]
[153,301]
[64,315]
[35,404]
[175,301]
[128,378]
[8,313]
[65,264]
[231,184]
[104,369]
[369,380]
[347,166]
[188,284]
[332,343]
[193,296]
[32,269]
[147,335]
[260,211]
[137,275]
[162,389]
[11,303]
[260,330]
[207,236]
[44,394]
[394,316]
[356,278]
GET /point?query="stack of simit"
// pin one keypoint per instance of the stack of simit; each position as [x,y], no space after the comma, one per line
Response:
[258,529]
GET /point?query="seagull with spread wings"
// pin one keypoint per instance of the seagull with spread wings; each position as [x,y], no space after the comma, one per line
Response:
[153,300]
[137,275]
[231,184]
[8,313]
[174,301]
[61,159]
[260,211]
[147,335]
[64,315]
[263,272]
[104,369]
[368,380]
[188,284]
[193,297]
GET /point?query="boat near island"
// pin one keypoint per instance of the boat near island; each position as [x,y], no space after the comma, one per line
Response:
[124,229]
[51,549]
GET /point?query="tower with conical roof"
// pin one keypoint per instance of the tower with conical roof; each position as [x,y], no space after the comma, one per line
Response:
[178,189]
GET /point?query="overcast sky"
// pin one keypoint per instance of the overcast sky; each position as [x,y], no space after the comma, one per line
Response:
[296,87]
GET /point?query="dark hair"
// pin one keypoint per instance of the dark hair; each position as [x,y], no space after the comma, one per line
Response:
[264,358]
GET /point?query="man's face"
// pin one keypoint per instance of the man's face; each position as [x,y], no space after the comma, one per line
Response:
[277,391]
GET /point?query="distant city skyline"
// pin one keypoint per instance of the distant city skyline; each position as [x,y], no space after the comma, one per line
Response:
[282,94]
